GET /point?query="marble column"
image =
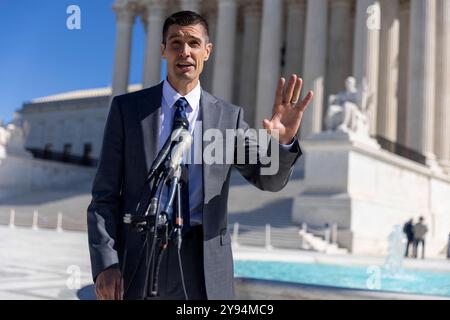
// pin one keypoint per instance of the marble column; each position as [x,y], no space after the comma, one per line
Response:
[210,14]
[421,84]
[269,60]
[442,118]
[238,51]
[314,64]
[124,25]
[340,47]
[295,37]
[366,53]
[388,72]
[191,5]
[249,74]
[404,13]
[143,16]
[152,58]
[225,43]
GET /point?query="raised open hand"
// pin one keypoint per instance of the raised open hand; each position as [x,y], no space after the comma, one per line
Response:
[287,109]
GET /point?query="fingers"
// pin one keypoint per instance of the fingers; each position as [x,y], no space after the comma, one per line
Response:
[98,293]
[121,289]
[105,291]
[290,89]
[118,289]
[305,102]
[297,90]
[109,286]
[279,91]
[267,125]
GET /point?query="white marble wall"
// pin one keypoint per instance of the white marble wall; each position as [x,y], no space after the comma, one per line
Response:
[367,191]
[75,126]
[21,173]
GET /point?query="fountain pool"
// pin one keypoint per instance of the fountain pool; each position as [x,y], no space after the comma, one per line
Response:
[353,277]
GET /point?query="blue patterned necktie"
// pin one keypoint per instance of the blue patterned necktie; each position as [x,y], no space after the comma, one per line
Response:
[181,110]
[181,113]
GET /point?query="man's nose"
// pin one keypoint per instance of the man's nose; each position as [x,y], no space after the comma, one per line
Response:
[185,51]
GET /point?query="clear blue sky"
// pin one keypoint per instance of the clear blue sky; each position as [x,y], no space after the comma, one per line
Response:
[39,56]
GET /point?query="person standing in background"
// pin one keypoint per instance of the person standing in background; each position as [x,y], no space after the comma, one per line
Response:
[420,229]
[408,229]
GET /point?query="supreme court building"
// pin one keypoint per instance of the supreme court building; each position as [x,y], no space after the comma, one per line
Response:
[401,48]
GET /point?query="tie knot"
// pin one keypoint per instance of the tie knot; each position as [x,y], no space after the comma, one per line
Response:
[182,103]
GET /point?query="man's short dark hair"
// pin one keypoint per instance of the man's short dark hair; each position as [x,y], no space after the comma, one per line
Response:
[184,18]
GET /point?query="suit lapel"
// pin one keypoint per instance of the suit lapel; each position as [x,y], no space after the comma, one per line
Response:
[211,115]
[149,116]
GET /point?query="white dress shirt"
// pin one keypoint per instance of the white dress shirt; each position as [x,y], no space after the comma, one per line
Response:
[170,96]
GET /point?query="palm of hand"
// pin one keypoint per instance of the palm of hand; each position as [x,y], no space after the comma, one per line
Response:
[287,111]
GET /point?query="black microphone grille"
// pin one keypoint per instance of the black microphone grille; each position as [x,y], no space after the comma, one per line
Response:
[179,122]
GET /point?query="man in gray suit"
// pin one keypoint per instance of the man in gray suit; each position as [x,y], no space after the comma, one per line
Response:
[137,126]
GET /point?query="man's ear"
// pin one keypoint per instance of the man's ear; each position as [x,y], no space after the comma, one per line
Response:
[209,48]
[163,48]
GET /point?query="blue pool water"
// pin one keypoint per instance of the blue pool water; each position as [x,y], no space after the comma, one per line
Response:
[355,277]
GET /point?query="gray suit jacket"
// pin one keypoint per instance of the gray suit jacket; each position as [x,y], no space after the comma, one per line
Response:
[130,143]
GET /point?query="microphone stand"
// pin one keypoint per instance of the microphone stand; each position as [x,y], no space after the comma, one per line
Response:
[159,227]
[171,228]
[168,228]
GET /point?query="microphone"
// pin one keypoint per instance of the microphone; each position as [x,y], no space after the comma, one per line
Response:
[183,144]
[179,124]
[172,190]
[174,169]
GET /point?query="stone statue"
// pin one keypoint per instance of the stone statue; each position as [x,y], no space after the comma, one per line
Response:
[347,110]
[3,135]
[13,136]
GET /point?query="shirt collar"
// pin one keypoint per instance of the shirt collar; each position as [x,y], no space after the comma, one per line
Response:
[171,95]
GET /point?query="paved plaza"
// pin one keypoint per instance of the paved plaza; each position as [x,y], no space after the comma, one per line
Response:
[50,265]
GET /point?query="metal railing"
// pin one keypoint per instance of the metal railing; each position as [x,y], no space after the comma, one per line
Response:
[329,233]
[60,223]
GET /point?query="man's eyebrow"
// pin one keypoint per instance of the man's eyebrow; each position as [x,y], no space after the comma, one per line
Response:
[195,38]
[172,36]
